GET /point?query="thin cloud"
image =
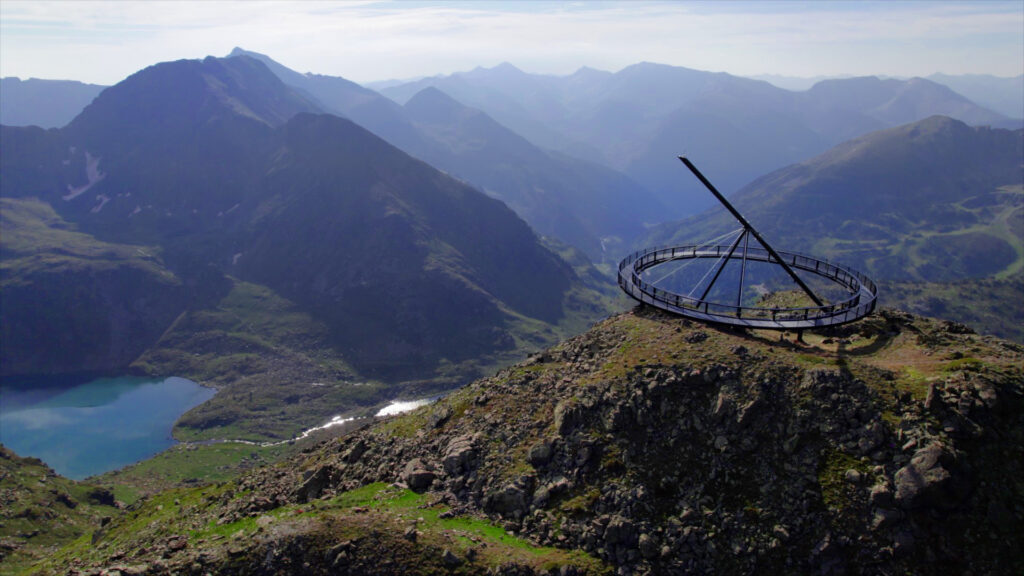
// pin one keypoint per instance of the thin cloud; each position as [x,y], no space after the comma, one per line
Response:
[103,42]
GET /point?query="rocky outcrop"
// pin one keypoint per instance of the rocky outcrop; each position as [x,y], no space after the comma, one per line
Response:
[659,452]
[738,461]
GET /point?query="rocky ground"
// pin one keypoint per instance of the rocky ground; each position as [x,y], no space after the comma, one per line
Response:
[40,511]
[648,445]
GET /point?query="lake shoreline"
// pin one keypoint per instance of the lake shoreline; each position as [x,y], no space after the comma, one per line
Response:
[82,429]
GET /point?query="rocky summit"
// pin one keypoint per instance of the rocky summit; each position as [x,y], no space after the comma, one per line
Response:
[648,445]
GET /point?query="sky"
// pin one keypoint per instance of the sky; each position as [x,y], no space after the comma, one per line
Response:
[104,42]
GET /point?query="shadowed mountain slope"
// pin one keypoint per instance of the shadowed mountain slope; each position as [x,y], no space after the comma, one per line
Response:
[248,196]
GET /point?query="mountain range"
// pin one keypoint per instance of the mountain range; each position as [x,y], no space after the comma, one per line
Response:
[292,240]
[636,120]
[207,176]
[999,94]
[43,103]
[581,203]
[213,192]
[548,145]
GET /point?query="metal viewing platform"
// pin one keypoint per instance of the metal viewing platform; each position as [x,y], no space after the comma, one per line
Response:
[860,292]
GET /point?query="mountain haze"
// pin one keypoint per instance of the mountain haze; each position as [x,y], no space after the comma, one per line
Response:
[43,103]
[1004,95]
[638,119]
[581,203]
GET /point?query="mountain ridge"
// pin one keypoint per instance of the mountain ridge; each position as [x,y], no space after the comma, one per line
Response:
[581,203]
[627,119]
[43,103]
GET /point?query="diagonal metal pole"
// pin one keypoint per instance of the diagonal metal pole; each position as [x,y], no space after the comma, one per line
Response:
[743,270]
[749,228]
[721,264]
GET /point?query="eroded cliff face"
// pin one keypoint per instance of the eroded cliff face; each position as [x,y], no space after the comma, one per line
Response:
[653,445]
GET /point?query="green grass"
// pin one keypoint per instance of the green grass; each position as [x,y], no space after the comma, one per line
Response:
[276,372]
[835,491]
[191,512]
[188,464]
[36,239]
[35,513]
[968,363]
[914,381]
[404,502]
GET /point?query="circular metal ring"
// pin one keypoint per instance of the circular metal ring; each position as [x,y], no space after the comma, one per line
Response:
[861,300]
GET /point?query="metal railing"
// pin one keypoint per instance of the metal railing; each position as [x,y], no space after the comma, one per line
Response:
[861,301]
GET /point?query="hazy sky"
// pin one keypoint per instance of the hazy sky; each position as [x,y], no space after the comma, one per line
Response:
[103,42]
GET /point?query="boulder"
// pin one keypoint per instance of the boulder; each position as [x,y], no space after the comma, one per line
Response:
[620,531]
[926,480]
[507,500]
[418,475]
[450,560]
[460,455]
[314,484]
[540,453]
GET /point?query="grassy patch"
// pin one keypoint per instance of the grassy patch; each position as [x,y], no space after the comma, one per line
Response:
[41,511]
[968,363]
[189,464]
[193,513]
[914,381]
[832,467]
[466,530]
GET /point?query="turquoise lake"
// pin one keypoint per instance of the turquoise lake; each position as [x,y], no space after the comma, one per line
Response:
[96,426]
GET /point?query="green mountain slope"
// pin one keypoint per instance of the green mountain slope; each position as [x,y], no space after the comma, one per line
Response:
[42,511]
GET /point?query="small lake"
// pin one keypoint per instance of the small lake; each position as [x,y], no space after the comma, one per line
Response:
[96,426]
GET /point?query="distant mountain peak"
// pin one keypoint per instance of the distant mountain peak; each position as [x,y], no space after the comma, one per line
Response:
[582,70]
[434,106]
[177,97]
[506,67]
[435,99]
[503,69]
